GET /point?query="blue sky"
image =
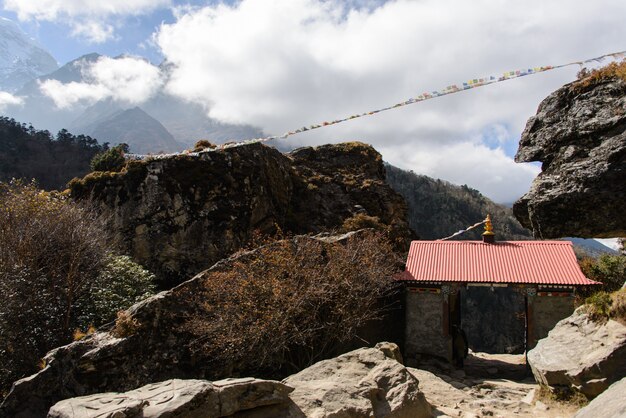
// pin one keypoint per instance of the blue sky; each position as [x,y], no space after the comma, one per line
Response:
[282,64]
[133,37]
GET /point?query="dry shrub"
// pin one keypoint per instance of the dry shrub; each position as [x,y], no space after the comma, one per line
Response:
[203,144]
[603,305]
[360,221]
[79,334]
[51,250]
[618,306]
[586,78]
[598,306]
[290,303]
[125,325]
[608,269]
[561,396]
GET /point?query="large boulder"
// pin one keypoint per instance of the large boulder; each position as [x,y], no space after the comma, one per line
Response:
[179,215]
[579,134]
[368,382]
[581,353]
[178,398]
[610,404]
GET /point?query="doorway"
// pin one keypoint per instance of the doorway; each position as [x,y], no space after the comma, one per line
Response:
[493,318]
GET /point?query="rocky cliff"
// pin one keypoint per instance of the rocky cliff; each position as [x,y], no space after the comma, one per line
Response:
[579,135]
[180,215]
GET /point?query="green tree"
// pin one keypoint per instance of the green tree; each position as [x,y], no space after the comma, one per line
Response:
[608,269]
[28,153]
[111,159]
[120,284]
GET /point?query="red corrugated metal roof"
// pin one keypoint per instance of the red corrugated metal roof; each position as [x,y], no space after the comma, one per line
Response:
[536,262]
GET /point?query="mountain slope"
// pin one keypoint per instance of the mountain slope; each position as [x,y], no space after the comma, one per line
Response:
[140,131]
[437,208]
[188,122]
[590,247]
[41,111]
[21,59]
[185,122]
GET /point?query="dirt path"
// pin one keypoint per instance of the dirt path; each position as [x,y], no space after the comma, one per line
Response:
[489,386]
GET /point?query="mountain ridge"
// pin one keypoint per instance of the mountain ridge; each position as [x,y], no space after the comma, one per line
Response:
[21,58]
[186,122]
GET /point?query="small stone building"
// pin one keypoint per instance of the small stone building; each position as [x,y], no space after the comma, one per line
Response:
[545,274]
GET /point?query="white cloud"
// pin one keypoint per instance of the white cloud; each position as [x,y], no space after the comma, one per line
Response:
[127,79]
[93,31]
[7,99]
[612,243]
[92,20]
[289,63]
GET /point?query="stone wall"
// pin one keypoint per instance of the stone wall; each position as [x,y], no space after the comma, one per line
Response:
[425,327]
[546,311]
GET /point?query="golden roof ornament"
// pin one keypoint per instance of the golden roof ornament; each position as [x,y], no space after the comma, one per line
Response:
[488,226]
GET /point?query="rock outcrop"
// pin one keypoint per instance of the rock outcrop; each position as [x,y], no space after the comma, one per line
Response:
[367,382]
[581,353]
[180,215]
[610,404]
[579,134]
[156,346]
[179,398]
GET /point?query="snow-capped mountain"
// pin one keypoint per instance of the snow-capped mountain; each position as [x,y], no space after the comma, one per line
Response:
[174,123]
[21,59]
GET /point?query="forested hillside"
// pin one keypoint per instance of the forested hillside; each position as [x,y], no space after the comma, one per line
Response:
[28,153]
[437,208]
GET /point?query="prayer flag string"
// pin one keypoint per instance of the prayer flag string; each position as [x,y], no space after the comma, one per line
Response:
[462,231]
[453,88]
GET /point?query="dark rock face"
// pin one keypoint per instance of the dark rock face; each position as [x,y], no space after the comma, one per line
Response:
[180,215]
[579,135]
